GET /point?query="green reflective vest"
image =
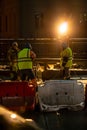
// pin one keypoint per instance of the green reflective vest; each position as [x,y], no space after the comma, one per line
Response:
[67,53]
[24,60]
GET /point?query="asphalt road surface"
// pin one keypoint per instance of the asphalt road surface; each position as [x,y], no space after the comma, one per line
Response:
[61,120]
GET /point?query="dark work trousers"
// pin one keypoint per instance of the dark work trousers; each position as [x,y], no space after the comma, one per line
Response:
[66,73]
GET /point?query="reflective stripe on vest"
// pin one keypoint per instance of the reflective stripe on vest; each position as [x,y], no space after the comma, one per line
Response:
[24,60]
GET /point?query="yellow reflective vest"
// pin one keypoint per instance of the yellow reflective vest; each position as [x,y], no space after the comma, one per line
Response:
[24,60]
[66,58]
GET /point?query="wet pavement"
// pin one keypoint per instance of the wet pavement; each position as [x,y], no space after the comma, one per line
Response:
[61,120]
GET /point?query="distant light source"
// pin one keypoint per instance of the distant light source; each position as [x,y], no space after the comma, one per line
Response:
[62,29]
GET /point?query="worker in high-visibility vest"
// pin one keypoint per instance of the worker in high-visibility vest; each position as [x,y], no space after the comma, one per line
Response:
[66,60]
[25,63]
[12,56]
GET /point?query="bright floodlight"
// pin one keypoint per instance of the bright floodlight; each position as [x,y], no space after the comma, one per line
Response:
[63,28]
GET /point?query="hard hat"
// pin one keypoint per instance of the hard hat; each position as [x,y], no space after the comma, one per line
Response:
[15,44]
[27,45]
[64,45]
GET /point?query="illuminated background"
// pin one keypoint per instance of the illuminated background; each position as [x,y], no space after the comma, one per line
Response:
[39,18]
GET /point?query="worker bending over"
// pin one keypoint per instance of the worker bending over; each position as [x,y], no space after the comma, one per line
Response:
[25,63]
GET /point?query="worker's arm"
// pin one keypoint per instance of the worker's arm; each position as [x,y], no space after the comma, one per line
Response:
[32,55]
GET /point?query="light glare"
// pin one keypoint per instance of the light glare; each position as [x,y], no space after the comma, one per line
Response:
[13,116]
[63,28]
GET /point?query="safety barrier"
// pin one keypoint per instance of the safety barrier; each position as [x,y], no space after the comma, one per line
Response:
[15,94]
